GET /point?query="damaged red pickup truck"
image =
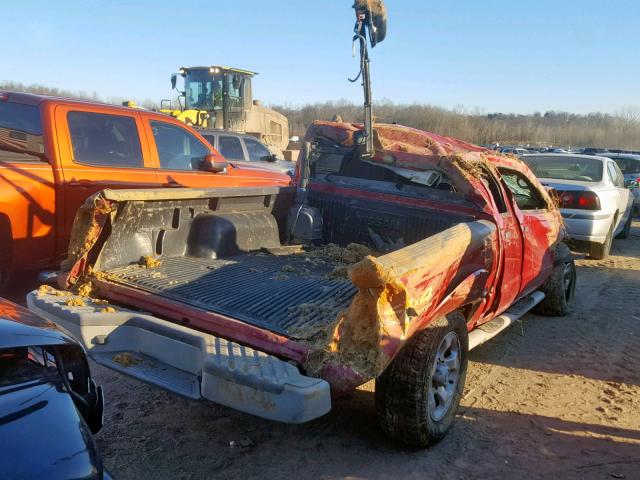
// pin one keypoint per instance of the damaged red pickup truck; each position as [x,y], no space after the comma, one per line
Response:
[273,300]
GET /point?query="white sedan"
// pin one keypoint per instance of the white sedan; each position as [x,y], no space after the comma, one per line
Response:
[594,202]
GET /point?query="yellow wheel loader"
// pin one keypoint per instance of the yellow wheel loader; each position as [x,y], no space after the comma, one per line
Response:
[218,97]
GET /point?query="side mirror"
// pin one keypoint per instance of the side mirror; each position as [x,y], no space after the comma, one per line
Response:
[174,80]
[269,158]
[214,164]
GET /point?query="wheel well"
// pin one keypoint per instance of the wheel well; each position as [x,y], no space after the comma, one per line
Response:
[468,310]
[615,220]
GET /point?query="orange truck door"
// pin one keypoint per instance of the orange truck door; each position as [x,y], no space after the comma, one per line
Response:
[100,148]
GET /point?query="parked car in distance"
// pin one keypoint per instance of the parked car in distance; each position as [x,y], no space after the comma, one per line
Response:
[514,150]
[593,151]
[594,202]
[630,167]
[49,404]
[55,152]
[243,150]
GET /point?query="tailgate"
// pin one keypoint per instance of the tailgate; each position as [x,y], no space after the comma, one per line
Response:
[188,362]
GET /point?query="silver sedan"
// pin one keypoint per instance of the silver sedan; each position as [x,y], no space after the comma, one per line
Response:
[594,202]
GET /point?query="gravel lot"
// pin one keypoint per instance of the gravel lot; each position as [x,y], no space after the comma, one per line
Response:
[549,398]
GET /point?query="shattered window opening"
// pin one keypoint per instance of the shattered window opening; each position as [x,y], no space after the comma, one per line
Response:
[524,193]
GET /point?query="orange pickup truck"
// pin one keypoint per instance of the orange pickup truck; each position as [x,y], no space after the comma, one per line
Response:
[56,152]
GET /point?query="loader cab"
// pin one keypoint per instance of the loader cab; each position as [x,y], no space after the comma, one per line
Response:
[224,93]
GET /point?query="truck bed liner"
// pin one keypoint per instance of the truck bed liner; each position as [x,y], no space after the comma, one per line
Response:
[285,294]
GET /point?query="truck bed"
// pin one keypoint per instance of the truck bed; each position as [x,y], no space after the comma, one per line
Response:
[290,294]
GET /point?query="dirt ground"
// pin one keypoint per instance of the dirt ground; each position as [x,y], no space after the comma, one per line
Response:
[549,398]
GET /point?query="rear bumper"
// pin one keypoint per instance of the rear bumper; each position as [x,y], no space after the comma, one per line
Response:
[587,226]
[188,362]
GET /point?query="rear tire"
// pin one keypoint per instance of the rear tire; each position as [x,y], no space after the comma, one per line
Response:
[600,251]
[418,394]
[627,228]
[560,287]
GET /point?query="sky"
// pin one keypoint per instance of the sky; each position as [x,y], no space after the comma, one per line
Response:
[515,56]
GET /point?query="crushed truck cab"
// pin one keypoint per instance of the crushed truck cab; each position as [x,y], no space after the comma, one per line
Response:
[271,299]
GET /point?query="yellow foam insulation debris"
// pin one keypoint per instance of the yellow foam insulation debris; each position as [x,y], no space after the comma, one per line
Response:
[312,331]
[352,253]
[108,310]
[126,359]
[381,302]
[149,261]
[48,290]
[84,289]
[75,302]
[341,257]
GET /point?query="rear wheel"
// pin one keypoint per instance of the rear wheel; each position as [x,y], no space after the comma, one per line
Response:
[418,394]
[600,251]
[627,228]
[560,288]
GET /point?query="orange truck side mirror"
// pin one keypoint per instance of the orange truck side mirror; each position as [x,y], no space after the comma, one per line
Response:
[213,163]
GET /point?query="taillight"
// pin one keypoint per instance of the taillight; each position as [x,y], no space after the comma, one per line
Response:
[586,200]
[4,97]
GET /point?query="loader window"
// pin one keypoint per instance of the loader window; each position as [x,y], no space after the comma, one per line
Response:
[203,91]
[177,148]
[105,140]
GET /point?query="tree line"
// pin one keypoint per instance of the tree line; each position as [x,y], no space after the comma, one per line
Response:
[551,128]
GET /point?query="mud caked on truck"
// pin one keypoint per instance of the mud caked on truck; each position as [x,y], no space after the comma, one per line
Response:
[395,253]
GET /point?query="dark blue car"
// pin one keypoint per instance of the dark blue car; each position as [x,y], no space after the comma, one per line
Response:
[49,404]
